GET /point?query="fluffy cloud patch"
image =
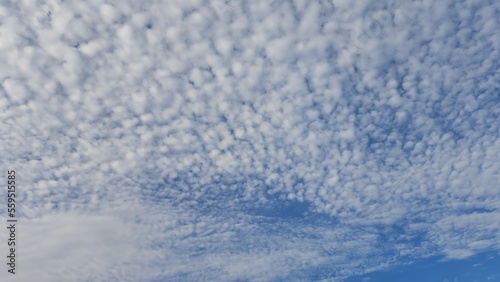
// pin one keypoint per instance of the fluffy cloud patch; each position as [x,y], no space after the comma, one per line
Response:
[249,140]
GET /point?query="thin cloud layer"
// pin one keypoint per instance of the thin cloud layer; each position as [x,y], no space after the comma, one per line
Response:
[291,140]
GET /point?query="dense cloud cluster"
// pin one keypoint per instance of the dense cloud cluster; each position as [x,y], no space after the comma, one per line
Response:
[253,140]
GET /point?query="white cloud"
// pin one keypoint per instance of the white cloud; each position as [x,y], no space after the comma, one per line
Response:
[248,140]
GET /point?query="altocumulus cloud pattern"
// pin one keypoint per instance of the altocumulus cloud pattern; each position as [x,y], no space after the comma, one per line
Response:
[249,140]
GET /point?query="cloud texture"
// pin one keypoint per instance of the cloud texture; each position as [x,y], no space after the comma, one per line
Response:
[249,140]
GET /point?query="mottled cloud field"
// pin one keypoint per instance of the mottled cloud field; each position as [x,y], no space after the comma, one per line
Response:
[248,140]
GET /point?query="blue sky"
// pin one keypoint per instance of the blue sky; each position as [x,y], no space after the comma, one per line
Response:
[295,140]
[481,267]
